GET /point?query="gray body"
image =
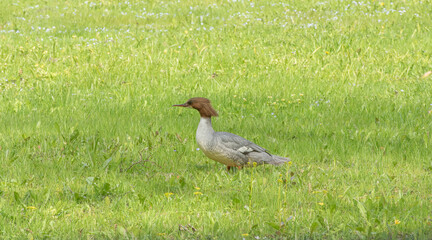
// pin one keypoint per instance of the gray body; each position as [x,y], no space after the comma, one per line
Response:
[230,149]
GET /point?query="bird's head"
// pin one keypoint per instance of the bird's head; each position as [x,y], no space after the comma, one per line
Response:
[202,105]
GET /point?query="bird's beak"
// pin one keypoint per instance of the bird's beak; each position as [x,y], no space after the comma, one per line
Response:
[181,105]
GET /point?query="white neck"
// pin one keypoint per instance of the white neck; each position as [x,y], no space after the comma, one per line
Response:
[204,132]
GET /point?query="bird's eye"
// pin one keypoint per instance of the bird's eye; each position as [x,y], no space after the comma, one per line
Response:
[189,102]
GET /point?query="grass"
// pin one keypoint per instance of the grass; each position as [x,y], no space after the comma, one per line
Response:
[91,148]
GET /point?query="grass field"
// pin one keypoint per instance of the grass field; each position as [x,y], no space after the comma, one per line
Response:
[90,146]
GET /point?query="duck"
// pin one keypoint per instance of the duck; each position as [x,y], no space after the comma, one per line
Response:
[224,147]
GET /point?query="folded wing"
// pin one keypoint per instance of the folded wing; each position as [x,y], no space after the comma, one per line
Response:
[238,143]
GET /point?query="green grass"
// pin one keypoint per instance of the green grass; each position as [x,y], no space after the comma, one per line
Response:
[90,146]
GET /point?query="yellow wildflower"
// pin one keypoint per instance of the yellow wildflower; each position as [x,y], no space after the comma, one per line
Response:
[168,194]
[320,203]
[197,193]
[397,222]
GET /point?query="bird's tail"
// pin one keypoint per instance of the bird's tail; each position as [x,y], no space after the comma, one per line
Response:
[278,160]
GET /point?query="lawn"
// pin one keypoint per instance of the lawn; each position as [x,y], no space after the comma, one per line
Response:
[92,148]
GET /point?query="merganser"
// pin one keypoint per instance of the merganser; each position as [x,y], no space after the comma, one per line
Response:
[224,147]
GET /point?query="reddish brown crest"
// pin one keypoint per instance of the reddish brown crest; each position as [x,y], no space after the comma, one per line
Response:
[202,105]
